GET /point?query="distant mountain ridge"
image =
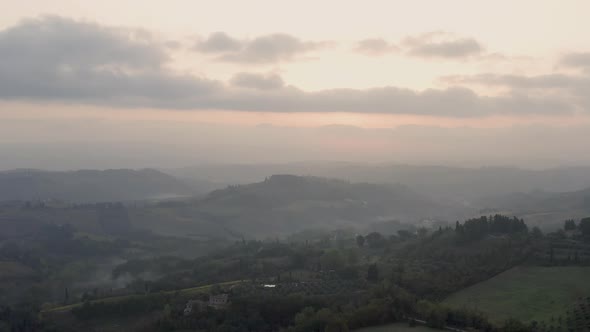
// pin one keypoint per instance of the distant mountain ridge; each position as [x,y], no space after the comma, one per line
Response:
[458,183]
[90,185]
[276,206]
[542,201]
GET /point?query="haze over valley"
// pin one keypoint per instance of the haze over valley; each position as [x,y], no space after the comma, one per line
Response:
[294,166]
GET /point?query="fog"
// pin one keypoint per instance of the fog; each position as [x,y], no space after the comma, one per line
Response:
[59,144]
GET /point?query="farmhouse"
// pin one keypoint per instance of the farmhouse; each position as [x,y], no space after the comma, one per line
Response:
[218,301]
[194,305]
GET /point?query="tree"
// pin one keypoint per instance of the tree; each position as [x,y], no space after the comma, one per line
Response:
[352,256]
[376,240]
[399,272]
[360,240]
[66,296]
[373,273]
[322,320]
[332,260]
[436,318]
[585,226]
[537,233]
[336,325]
[167,312]
[422,232]
[569,225]
[513,325]
[348,273]
[458,228]
[404,234]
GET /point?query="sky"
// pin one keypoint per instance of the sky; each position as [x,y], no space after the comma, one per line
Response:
[173,83]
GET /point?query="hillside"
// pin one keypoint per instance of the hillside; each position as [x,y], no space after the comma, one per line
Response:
[542,201]
[287,203]
[312,283]
[90,185]
[457,183]
[277,206]
[546,209]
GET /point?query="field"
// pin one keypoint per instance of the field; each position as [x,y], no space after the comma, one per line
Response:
[14,271]
[526,293]
[397,327]
[186,291]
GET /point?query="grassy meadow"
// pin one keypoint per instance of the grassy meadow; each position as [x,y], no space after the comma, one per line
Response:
[527,293]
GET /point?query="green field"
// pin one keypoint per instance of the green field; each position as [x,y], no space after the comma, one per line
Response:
[14,271]
[397,327]
[186,291]
[526,293]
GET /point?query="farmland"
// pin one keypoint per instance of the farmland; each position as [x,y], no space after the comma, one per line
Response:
[542,294]
[186,291]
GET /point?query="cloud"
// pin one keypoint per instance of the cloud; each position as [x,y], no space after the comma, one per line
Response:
[454,102]
[548,81]
[441,45]
[257,81]
[375,47]
[568,86]
[173,44]
[264,49]
[429,45]
[55,58]
[58,41]
[577,60]
[63,60]
[219,42]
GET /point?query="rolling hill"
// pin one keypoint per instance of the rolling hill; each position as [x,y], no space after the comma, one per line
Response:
[85,186]
[542,208]
[457,183]
[288,203]
[279,205]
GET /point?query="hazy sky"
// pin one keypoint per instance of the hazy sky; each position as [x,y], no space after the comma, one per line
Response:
[167,83]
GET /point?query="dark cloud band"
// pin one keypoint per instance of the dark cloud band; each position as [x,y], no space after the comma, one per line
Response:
[59,59]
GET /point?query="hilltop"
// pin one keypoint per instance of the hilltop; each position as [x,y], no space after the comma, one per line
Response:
[288,203]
